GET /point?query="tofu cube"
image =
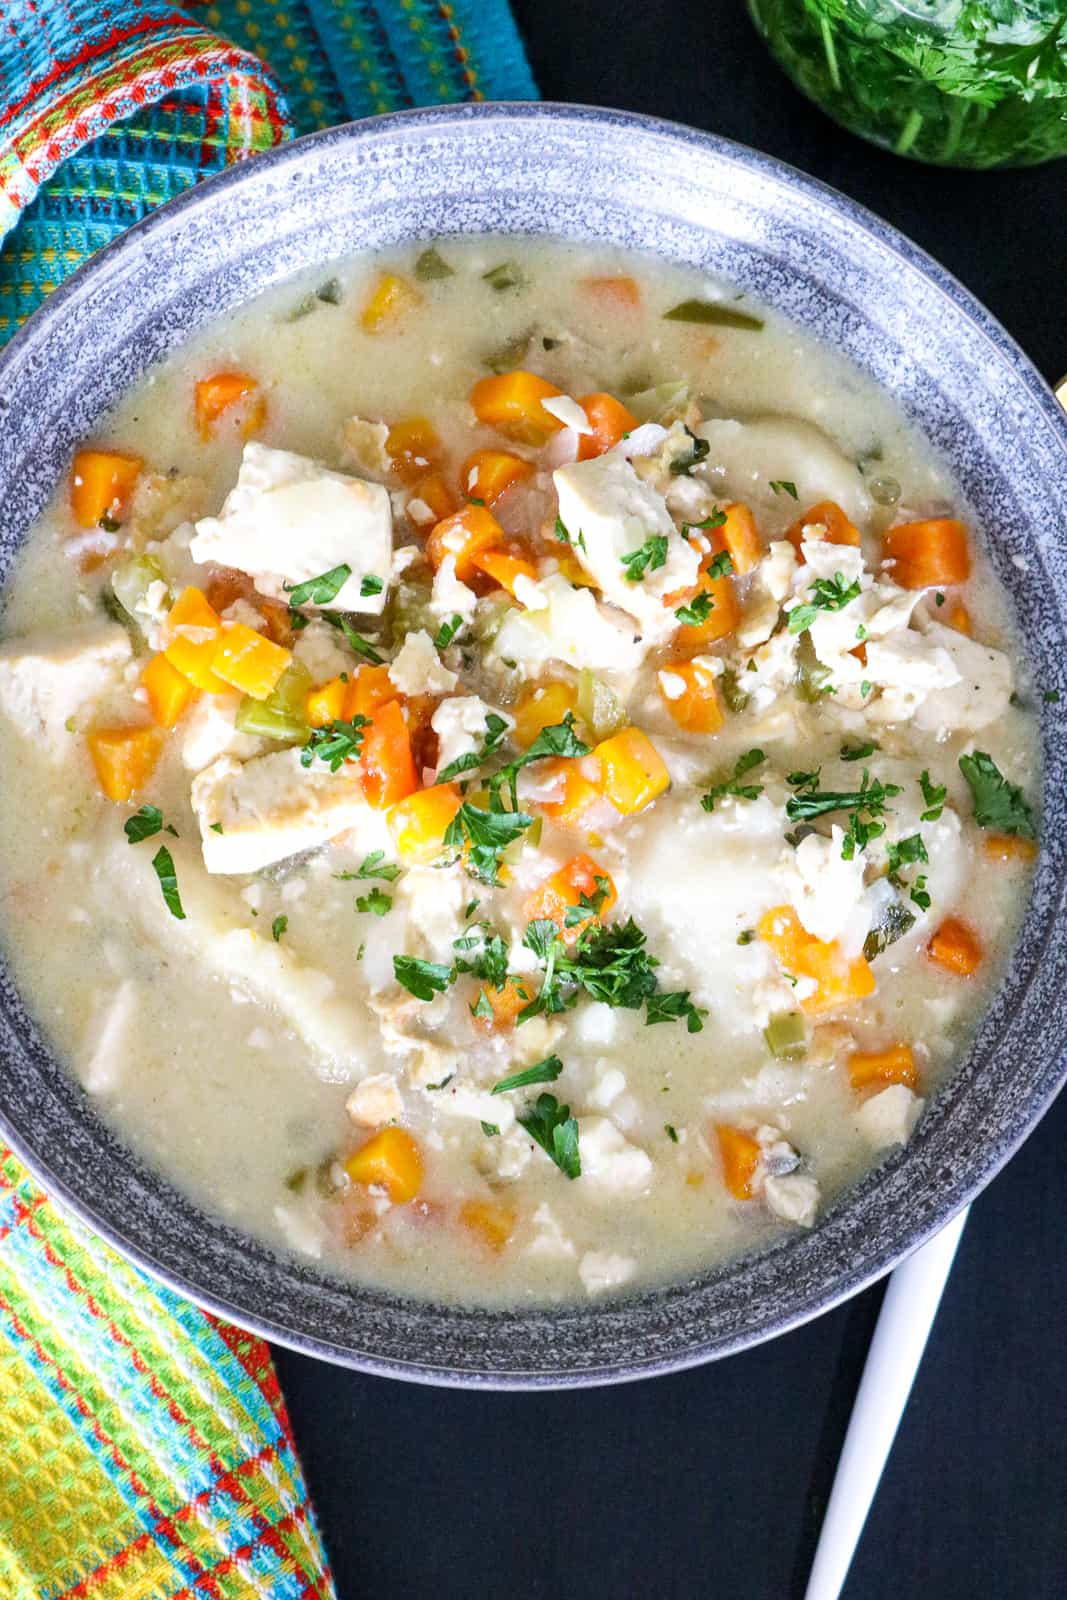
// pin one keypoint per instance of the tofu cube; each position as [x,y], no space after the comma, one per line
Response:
[45,681]
[257,812]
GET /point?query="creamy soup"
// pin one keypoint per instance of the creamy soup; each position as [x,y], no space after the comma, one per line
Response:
[517,778]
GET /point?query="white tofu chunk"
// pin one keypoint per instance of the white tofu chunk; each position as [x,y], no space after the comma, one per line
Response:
[418,669]
[45,681]
[610,1163]
[983,689]
[549,1241]
[289,518]
[610,512]
[431,902]
[793,1197]
[272,807]
[600,1270]
[827,892]
[746,457]
[460,726]
[460,1099]
[450,596]
[562,623]
[363,446]
[889,1118]
[208,731]
[375,1100]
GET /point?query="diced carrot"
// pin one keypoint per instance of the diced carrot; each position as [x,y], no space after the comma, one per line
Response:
[391,302]
[505,1004]
[839,979]
[725,613]
[878,1068]
[928,554]
[740,1155]
[690,694]
[390,1159]
[493,1223]
[387,768]
[504,566]
[191,636]
[413,448]
[1008,847]
[419,823]
[248,660]
[827,515]
[124,758]
[464,535]
[741,537]
[169,692]
[226,584]
[564,890]
[434,492]
[486,474]
[956,948]
[511,403]
[632,771]
[101,483]
[327,702]
[221,391]
[370,688]
[609,420]
[573,795]
[621,292]
[540,706]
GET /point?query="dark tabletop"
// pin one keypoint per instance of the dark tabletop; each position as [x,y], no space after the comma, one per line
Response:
[713,1482]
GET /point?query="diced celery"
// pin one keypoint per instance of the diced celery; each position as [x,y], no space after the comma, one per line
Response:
[733,695]
[598,707]
[131,580]
[408,609]
[489,617]
[786,1035]
[283,714]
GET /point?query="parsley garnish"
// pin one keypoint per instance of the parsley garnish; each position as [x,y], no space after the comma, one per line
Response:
[376,903]
[784,486]
[143,824]
[697,611]
[163,863]
[546,1071]
[486,835]
[867,805]
[857,752]
[374,866]
[335,743]
[734,786]
[483,953]
[682,466]
[371,585]
[896,920]
[356,641]
[648,557]
[423,979]
[216,827]
[589,905]
[321,590]
[919,894]
[278,927]
[561,531]
[997,803]
[904,853]
[933,797]
[672,1133]
[490,1130]
[555,1130]
[495,729]
[746,936]
[830,594]
[609,963]
[558,739]
[673,1007]
[444,1083]
[720,566]
[447,631]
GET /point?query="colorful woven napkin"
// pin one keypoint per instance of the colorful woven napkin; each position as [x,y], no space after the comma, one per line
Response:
[145,1452]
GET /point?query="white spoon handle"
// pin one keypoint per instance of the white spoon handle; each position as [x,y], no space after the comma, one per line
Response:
[904,1323]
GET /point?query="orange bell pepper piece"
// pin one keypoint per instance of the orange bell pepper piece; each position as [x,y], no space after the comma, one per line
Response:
[370,688]
[419,823]
[101,483]
[511,403]
[169,693]
[248,660]
[740,1155]
[387,767]
[327,702]
[124,758]
[1008,847]
[632,771]
[928,554]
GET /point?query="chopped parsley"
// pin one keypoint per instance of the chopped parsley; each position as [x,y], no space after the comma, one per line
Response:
[546,1071]
[558,739]
[828,594]
[934,795]
[682,466]
[734,786]
[485,834]
[785,486]
[697,611]
[356,641]
[997,803]
[423,979]
[443,1084]
[482,1007]
[216,827]
[370,585]
[894,923]
[490,1130]
[919,894]
[447,631]
[649,557]
[867,806]
[610,964]
[374,866]
[484,953]
[746,936]
[143,824]
[857,752]
[589,905]
[376,903]
[335,743]
[671,1132]
[673,1007]
[904,853]
[495,729]
[278,927]
[321,590]
[555,1130]
[163,864]
[721,565]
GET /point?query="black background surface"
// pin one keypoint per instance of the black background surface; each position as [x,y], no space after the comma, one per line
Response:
[712,1483]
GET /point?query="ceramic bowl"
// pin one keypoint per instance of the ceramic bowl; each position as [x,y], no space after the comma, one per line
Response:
[842,274]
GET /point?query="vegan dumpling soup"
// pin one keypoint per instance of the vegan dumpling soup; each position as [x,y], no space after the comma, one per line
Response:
[517,777]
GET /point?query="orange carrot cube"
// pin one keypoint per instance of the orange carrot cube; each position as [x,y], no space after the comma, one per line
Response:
[610,422]
[387,768]
[248,660]
[690,694]
[878,1068]
[928,554]
[493,1223]
[622,293]
[413,448]
[563,891]
[504,566]
[464,535]
[217,394]
[486,474]
[419,823]
[740,1155]
[124,758]
[169,692]
[191,636]
[391,1160]
[632,771]
[540,706]
[956,947]
[511,403]
[101,483]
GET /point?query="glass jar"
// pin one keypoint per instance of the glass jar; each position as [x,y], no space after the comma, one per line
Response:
[964,83]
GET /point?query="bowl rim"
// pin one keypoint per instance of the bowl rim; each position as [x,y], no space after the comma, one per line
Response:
[888,240]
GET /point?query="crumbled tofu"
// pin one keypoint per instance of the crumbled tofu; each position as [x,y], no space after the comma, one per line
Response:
[289,518]
[432,902]
[610,1083]
[375,1100]
[566,624]
[320,648]
[609,513]
[599,1271]
[567,411]
[908,670]
[671,684]
[549,1240]
[255,812]
[778,569]
[794,1197]
[759,617]
[363,446]
[595,1023]
[451,597]
[460,1099]
[46,681]
[609,1161]
[240,610]
[888,1118]
[106,1045]
[460,726]
[208,731]
[418,669]
[506,1156]
[302,1231]
[982,691]
[826,891]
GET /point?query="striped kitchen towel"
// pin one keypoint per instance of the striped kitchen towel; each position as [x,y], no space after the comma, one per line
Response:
[145,1451]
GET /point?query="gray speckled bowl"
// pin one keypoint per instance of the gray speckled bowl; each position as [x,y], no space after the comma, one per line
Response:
[838,271]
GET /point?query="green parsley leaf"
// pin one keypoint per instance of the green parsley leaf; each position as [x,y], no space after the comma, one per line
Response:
[495,729]
[648,557]
[484,953]
[163,863]
[321,590]
[746,936]
[487,835]
[865,689]
[335,743]
[830,594]
[697,611]
[892,925]
[423,979]
[143,824]
[216,827]
[934,795]
[672,1133]
[784,486]
[682,466]
[546,1071]
[374,866]
[720,566]
[919,894]
[734,786]
[356,641]
[278,927]
[997,803]
[905,852]
[490,1130]
[447,631]
[556,1131]
[589,905]
[558,739]
[561,531]
[376,903]
[857,752]
[673,1007]
[371,585]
